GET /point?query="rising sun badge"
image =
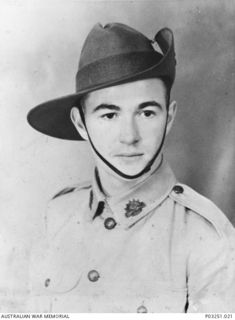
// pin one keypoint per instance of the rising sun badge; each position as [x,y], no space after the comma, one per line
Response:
[134,207]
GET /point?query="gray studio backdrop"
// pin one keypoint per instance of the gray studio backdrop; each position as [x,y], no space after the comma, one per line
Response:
[40,43]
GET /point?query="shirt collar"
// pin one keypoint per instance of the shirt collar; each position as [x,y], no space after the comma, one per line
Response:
[134,204]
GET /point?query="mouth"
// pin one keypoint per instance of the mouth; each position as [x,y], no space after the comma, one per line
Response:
[129,155]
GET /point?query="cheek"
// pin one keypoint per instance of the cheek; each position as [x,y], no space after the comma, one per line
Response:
[152,132]
[102,138]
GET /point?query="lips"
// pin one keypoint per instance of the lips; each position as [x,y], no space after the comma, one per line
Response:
[129,155]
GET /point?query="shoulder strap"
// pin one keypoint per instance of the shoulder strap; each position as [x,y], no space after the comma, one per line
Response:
[77,187]
[63,206]
[189,198]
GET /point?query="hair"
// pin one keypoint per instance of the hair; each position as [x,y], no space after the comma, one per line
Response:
[82,100]
[168,85]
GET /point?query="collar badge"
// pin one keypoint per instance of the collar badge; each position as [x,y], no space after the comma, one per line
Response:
[134,207]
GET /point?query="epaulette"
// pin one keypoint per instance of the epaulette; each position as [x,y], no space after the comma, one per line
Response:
[62,208]
[84,185]
[194,201]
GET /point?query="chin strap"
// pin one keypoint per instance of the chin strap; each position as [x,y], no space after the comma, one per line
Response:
[123,175]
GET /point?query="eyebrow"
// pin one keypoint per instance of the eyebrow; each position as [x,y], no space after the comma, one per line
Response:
[113,107]
[150,103]
[103,106]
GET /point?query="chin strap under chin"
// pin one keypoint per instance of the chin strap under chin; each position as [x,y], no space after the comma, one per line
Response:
[123,175]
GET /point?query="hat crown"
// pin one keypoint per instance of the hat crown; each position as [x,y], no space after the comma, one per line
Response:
[110,40]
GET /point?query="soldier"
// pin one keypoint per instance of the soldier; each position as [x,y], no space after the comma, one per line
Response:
[133,239]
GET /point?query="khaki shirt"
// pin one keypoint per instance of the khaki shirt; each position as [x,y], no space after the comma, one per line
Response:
[164,248]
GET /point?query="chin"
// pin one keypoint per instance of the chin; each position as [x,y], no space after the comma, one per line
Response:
[130,166]
[130,172]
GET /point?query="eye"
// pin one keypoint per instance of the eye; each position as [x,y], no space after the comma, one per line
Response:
[148,113]
[109,116]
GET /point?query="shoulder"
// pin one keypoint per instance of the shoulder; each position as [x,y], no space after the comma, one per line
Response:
[65,204]
[72,189]
[70,196]
[202,210]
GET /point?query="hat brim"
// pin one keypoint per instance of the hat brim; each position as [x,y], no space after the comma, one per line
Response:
[53,117]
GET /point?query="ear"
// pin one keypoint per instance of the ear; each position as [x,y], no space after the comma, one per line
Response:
[171,115]
[78,123]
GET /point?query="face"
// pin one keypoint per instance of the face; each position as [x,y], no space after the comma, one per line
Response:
[126,123]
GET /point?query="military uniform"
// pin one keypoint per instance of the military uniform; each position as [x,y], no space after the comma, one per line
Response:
[161,247]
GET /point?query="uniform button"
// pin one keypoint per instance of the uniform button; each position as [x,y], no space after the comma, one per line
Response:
[47,282]
[178,189]
[93,275]
[109,223]
[142,309]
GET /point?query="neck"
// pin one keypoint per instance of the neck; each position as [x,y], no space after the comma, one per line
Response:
[112,184]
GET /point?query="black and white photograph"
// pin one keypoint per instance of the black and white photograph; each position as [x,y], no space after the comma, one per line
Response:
[117,156]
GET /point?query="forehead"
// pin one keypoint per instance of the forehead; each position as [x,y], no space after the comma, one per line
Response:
[136,91]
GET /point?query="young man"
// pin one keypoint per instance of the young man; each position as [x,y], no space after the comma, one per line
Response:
[134,239]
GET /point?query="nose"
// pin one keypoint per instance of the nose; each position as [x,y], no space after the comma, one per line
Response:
[129,133]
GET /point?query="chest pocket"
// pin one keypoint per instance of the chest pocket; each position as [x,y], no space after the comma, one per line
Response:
[53,272]
[60,267]
[61,272]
